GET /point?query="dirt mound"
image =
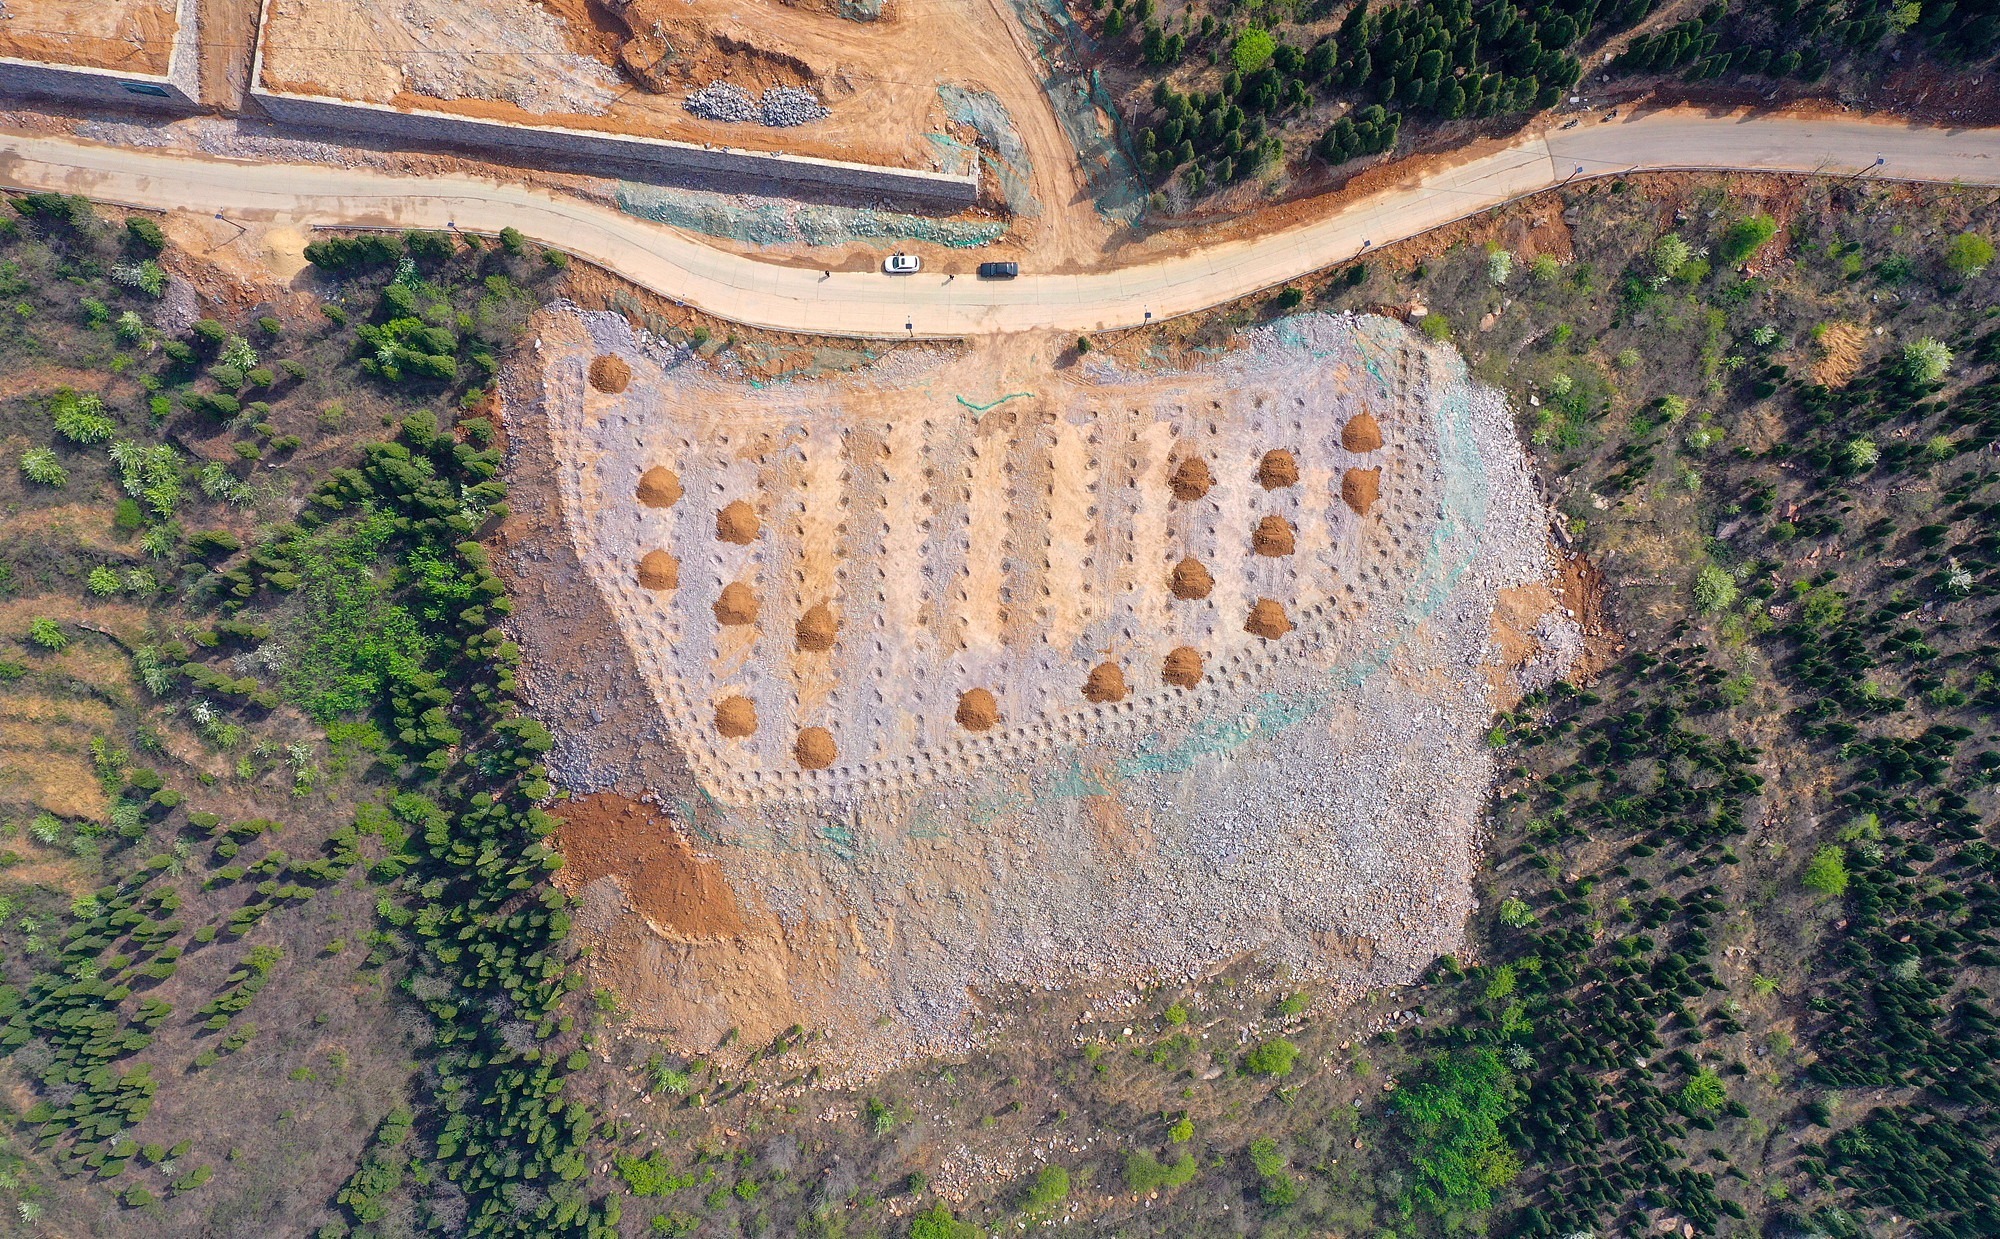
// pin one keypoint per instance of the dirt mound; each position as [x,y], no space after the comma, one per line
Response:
[1106,684]
[1273,536]
[660,487]
[603,835]
[736,717]
[1191,480]
[1361,434]
[737,605]
[977,710]
[1360,488]
[610,374]
[816,629]
[659,570]
[1183,667]
[1278,469]
[737,523]
[815,748]
[1268,620]
[1190,580]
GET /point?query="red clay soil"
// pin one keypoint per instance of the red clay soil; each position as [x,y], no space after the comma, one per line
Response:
[977,710]
[1190,580]
[659,570]
[1273,537]
[1360,487]
[736,717]
[660,487]
[610,374]
[1278,469]
[1106,684]
[1183,668]
[817,629]
[737,523]
[605,835]
[1268,620]
[1361,434]
[815,748]
[737,605]
[1191,480]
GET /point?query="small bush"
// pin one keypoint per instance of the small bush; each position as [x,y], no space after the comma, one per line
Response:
[48,635]
[1968,254]
[1273,1058]
[144,235]
[1826,872]
[1050,1188]
[41,467]
[1745,237]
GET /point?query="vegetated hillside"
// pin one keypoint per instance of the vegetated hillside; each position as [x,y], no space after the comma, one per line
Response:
[1217,94]
[276,939]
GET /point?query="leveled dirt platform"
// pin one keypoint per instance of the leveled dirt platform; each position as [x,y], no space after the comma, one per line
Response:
[962,673]
[124,36]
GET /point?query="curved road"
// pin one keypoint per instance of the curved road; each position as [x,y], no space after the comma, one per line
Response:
[785,298]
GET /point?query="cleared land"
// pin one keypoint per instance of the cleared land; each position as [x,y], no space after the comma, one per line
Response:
[962,674]
[136,36]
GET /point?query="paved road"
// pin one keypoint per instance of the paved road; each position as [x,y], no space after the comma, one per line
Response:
[745,290]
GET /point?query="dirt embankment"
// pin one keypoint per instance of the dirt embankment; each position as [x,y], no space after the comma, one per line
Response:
[678,891]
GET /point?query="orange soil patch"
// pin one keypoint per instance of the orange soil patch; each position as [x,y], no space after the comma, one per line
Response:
[1361,434]
[737,605]
[815,748]
[977,710]
[1191,480]
[817,628]
[131,36]
[1273,537]
[1106,684]
[736,717]
[1183,667]
[1190,580]
[1268,620]
[605,835]
[660,487]
[1360,488]
[737,523]
[659,570]
[1278,469]
[610,374]
[1839,348]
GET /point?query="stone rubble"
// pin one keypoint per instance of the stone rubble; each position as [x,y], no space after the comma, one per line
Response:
[782,107]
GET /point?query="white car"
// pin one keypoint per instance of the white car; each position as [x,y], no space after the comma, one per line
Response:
[902,264]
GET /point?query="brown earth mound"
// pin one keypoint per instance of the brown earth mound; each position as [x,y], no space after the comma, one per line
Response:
[736,717]
[817,628]
[659,570]
[1361,434]
[815,749]
[1106,684]
[1183,667]
[1360,487]
[737,523]
[1191,480]
[737,605]
[1268,620]
[1278,469]
[660,487]
[977,710]
[603,835]
[610,374]
[1190,580]
[1273,537]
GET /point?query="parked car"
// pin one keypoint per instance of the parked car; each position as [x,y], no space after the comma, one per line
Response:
[999,270]
[902,264]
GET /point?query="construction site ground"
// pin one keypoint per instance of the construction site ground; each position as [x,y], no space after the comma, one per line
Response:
[130,36]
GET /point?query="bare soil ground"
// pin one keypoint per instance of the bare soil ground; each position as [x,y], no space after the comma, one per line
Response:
[136,36]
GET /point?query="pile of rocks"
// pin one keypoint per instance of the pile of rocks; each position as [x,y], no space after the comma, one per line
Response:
[781,108]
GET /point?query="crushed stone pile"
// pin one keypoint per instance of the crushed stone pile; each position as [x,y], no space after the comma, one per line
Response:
[782,107]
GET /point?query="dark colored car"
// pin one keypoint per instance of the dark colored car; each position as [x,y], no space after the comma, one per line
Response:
[999,270]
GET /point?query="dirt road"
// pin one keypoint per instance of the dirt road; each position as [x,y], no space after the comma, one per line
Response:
[938,304]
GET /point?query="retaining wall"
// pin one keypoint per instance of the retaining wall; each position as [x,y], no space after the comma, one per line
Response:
[178,87]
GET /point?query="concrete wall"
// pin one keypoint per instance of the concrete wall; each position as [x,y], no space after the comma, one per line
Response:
[758,169]
[178,87]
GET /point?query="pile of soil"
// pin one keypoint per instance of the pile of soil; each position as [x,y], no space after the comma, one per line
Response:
[1190,580]
[610,374]
[1183,667]
[1191,480]
[604,835]
[1273,536]
[737,523]
[1278,469]
[1360,488]
[1106,684]
[659,570]
[660,487]
[816,629]
[977,710]
[1361,434]
[815,749]
[736,717]
[737,605]
[1268,620]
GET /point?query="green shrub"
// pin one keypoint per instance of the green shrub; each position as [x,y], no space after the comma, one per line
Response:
[937,1222]
[145,236]
[1050,1188]
[41,466]
[1714,589]
[1745,237]
[1252,50]
[48,634]
[1145,1173]
[1826,872]
[1703,1092]
[1273,1058]
[1968,254]
[1451,1115]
